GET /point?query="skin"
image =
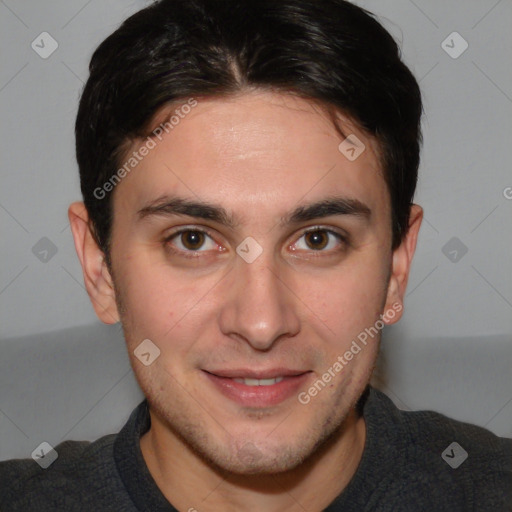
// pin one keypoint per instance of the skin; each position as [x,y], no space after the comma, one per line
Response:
[299,305]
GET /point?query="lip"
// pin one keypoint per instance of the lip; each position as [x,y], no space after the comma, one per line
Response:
[251,373]
[258,396]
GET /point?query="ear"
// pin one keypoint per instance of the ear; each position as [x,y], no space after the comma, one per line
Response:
[401,266]
[97,278]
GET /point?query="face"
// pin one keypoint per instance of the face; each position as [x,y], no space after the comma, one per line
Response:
[252,252]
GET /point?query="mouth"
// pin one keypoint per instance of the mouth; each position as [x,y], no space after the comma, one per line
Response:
[259,382]
[258,389]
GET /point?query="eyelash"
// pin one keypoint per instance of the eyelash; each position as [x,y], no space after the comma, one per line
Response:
[186,254]
[343,240]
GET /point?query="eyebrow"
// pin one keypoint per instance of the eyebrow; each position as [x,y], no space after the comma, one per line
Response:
[170,206]
[328,207]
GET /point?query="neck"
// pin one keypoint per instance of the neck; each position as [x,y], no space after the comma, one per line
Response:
[190,483]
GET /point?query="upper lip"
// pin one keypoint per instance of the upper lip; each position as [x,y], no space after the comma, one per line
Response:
[251,373]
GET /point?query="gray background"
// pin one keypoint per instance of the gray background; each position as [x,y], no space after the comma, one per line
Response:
[63,375]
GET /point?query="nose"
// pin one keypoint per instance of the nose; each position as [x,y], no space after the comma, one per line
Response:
[259,306]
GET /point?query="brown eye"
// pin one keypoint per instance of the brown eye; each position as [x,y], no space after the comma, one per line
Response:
[320,240]
[317,240]
[191,243]
[192,240]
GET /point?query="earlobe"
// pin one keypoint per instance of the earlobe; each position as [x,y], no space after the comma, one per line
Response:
[401,266]
[97,278]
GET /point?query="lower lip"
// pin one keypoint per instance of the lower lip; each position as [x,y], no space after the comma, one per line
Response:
[259,396]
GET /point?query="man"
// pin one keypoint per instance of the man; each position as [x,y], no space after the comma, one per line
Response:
[248,170]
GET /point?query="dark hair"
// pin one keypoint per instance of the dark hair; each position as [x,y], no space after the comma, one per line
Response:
[330,51]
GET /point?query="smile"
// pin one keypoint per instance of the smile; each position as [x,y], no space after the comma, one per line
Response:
[255,389]
[259,382]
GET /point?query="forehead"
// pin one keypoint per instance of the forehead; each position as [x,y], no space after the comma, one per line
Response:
[256,151]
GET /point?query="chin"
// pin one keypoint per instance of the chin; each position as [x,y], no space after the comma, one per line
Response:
[249,460]
[264,456]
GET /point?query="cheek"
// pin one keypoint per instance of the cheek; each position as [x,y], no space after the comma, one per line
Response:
[151,305]
[349,299]
[163,305]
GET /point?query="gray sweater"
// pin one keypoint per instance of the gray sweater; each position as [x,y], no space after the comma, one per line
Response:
[412,461]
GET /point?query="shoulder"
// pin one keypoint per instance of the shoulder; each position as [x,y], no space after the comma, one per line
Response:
[451,461]
[460,445]
[81,472]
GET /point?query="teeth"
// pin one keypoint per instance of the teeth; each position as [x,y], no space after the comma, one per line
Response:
[259,382]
